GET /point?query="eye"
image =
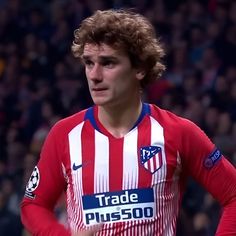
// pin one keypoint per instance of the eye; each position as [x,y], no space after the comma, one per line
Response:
[108,64]
[88,63]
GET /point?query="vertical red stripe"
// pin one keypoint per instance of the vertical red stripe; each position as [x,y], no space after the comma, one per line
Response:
[144,139]
[149,165]
[88,158]
[155,162]
[115,164]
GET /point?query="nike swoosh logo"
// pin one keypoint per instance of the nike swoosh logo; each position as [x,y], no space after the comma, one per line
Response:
[76,167]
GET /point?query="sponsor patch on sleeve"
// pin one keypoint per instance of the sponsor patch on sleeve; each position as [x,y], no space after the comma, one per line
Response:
[212,159]
[32,183]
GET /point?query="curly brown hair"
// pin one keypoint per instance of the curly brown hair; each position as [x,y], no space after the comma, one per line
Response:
[123,30]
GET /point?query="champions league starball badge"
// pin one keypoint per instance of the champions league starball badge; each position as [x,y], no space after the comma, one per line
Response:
[33,181]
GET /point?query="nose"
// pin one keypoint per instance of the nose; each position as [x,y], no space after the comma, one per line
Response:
[95,73]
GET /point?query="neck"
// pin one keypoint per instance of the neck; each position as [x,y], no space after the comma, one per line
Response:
[120,119]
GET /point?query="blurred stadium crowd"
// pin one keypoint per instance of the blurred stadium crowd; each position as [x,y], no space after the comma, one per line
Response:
[41,82]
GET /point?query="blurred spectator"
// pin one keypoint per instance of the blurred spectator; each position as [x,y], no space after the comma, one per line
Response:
[223,137]
[9,222]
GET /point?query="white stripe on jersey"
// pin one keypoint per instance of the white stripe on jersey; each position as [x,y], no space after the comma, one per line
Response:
[130,161]
[101,168]
[168,213]
[157,139]
[74,213]
[75,145]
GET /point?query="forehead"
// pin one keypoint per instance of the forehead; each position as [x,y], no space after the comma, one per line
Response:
[101,50]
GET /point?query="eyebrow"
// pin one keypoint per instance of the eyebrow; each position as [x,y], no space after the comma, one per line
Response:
[102,58]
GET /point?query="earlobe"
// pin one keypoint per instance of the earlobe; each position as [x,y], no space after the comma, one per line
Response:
[140,75]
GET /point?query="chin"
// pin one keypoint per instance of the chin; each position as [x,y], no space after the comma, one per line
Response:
[99,102]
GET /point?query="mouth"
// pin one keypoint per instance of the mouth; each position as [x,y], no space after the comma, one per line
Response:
[98,89]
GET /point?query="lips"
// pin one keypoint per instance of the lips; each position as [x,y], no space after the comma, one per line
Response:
[98,89]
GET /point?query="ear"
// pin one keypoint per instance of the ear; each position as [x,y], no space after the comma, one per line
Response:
[140,74]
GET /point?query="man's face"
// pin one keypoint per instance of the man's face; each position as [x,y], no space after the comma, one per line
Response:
[111,78]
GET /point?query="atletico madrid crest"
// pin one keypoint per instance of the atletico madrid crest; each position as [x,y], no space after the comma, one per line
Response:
[151,158]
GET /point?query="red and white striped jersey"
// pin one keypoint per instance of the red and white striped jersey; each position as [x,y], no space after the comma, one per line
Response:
[133,185]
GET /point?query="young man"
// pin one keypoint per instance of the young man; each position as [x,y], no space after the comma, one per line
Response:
[123,163]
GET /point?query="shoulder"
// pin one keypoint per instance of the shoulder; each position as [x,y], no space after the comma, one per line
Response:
[65,125]
[175,125]
[169,119]
[188,138]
